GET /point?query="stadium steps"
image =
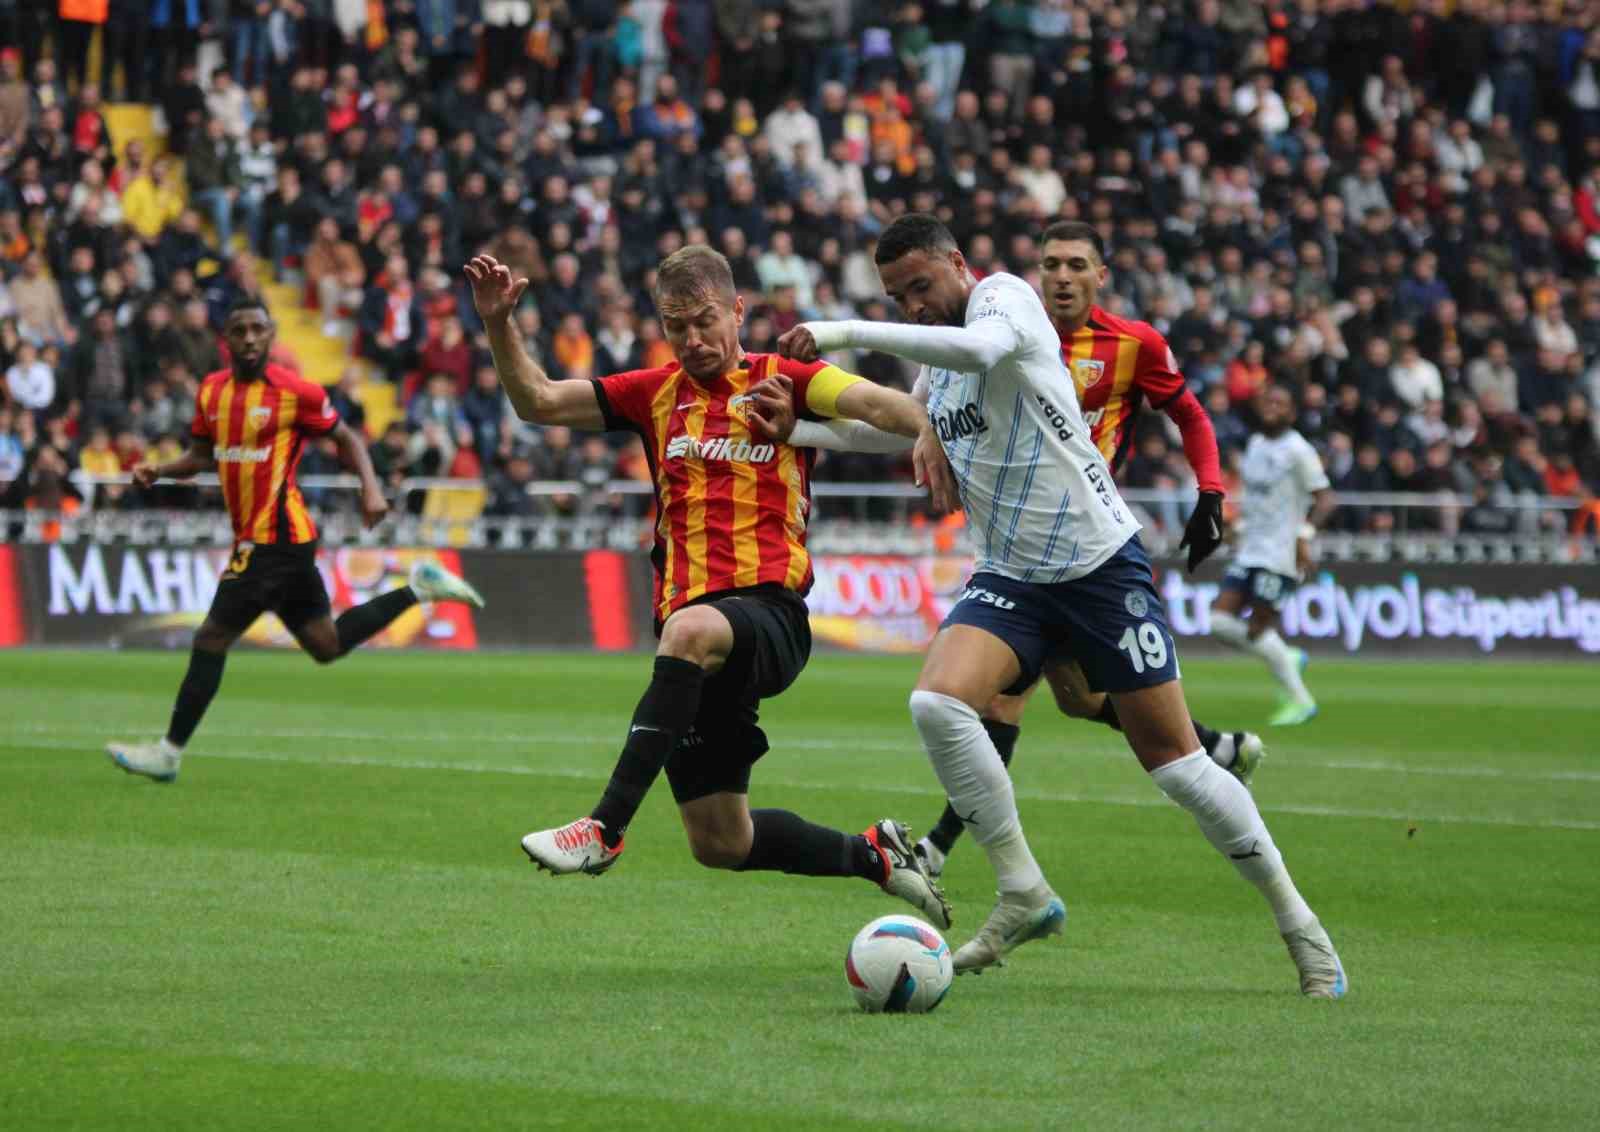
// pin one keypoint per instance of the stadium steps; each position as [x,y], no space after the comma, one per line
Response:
[322,359]
[457,508]
[129,121]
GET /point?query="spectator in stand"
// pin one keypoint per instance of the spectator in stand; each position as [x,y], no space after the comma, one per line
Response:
[30,381]
[96,372]
[1414,379]
[448,352]
[391,319]
[335,274]
[41,316]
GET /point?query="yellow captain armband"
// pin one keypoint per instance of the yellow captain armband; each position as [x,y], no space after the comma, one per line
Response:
[824,388]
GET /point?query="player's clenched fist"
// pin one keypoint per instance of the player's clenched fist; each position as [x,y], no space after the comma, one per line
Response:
[798,344]
[495,290]
[145,475]
[773,411]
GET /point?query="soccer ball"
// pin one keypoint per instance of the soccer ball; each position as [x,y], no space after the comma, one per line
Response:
[898,965]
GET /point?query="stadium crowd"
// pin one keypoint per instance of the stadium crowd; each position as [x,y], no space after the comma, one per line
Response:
[1393,209]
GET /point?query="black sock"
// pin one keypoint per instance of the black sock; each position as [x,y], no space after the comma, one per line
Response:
[787,843]
[358,625]
[1108,715]
[948,831]
[665,712]
[1208,738]
[200,683]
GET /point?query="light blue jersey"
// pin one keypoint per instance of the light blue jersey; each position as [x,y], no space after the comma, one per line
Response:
[1040,502]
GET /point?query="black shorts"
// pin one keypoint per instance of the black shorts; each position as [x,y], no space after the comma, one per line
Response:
[270,579]
[771,644]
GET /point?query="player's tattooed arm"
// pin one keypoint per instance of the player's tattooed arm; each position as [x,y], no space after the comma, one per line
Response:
[199,458]
[496,293]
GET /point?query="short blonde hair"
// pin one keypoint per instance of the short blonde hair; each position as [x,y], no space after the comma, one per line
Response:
[695,271]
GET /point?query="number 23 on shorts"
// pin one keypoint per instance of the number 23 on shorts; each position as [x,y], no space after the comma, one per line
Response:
[240,562]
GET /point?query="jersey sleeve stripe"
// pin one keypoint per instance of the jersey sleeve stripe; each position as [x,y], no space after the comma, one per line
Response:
[228,471]
[261,531]
[694,510]
[747,536]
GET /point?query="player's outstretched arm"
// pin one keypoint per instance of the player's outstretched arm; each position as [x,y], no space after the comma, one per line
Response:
[966,349]
[495,293]
[775,418]
[856,436]
[199,458]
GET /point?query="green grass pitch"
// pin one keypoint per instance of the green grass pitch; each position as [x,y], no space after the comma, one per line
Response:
[327,922]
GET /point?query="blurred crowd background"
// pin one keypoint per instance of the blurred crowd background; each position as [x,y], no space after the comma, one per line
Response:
[1391,208]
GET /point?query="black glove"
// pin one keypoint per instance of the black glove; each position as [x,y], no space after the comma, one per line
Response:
[1204,532]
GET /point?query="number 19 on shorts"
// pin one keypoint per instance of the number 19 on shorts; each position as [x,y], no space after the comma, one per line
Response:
[1146,646]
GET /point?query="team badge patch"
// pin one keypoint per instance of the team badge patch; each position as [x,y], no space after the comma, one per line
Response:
[1135,604]
[260,415]
[1087,371]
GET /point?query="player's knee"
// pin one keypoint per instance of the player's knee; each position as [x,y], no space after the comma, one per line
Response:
[1077,704]
[718,848]
[1005,709]
[323,655]
[1228,626]
[935,713]
[692,635]
[210,640]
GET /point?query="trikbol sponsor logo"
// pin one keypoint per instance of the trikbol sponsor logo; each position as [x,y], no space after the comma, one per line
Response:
[242,454]
[720,448]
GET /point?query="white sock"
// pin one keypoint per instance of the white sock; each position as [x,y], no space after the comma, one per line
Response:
[1284,663]
[1269,646]
[1225,751]
[1227,815]
[1231,630]
[976,782]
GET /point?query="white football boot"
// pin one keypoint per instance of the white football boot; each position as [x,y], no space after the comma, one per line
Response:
[1321,973]
[573,848]
[902,872]
[432,582]
[1017,918]
[932,858]
[157,761]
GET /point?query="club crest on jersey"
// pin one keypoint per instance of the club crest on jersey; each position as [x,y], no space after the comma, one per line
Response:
[741,404]
[1088,371]
[260,415]
[1135,603]
[719,448]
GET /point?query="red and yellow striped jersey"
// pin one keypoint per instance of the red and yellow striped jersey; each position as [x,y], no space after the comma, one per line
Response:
[258,431]
[1117,364]
[731,506]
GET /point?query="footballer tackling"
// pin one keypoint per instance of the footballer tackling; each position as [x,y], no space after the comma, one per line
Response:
[731,572]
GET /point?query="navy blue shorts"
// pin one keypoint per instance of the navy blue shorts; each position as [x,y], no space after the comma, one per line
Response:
[1110,621]
[1260,587]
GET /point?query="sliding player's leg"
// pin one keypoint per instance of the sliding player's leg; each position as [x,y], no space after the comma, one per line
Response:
[993,641]
[696,640]
[709,774]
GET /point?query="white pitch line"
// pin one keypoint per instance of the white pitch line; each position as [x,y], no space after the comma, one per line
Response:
[1294,757]
[1155,802]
